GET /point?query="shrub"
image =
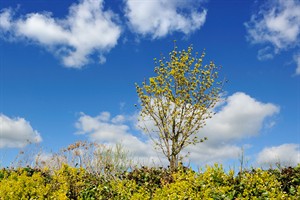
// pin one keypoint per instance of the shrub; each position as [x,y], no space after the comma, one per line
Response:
[68,182]
[150,183]
[24,183]
[259,184]
[214,183]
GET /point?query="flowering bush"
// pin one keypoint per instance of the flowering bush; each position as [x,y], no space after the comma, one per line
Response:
[69,182]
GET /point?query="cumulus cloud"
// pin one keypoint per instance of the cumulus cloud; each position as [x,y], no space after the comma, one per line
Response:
[240,117]
[87,29]
[166,16]
[112,130]
[17,132]
[276,23]
[209,153]
[285,155]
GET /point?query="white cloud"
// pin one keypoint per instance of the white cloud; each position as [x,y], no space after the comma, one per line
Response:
[210,152]
[87,29]
[112,131]
[240,117]
[102,59]
[16,132]
[118,119]
[161,17]
[285,155]
[297,60]
[5,19]
[265,54]
[277,23]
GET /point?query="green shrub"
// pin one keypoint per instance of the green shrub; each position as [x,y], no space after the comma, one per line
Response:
[259,184]
[150,183]
[24,183]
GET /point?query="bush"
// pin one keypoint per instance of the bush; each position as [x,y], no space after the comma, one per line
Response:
[24,183]
[260,184]
[149,183]
[289,179]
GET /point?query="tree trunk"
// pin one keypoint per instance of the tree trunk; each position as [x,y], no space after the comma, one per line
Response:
[173,162]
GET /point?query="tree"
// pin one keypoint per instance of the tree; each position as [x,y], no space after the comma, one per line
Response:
[179,99]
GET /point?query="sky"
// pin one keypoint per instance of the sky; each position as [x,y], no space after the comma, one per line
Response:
[68,69]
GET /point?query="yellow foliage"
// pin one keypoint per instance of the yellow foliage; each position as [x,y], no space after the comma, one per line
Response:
[73,183]
[65,183]
[19,184]
[171,99]
[260,184]
[68,182]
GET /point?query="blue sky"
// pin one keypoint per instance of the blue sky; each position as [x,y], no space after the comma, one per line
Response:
[68,68]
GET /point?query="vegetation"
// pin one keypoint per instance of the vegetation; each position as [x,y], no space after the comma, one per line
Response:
[97,159]
[150,183]
[70,175]
[178,100]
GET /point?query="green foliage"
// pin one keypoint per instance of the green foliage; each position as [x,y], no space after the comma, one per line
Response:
[150,183]
[178,100]
[67,182]
[183,186]
[289,179]
[90,190]
[216,184]
[260,184]
[149,177]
